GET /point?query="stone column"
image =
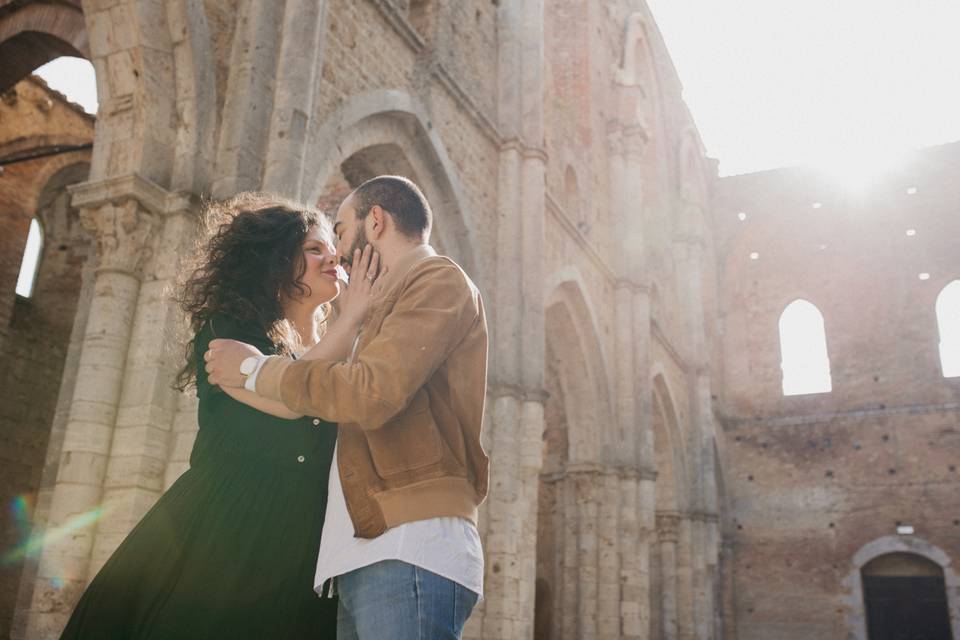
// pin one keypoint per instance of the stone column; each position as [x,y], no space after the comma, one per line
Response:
[685,626]
[667,535]
[114,211]
[587,499]
[300,57]
[728,606]
[700,610]
[712,579]
[248,103]
[517,331]
[138,453]
[630,445]
[570,584]
[631,548]
[610,536]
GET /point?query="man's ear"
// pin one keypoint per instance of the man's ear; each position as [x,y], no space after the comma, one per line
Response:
[378,218]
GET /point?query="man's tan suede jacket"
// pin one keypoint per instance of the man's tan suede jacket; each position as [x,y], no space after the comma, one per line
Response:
[410,404]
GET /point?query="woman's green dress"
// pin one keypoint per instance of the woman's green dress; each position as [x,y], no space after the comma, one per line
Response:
[230,550]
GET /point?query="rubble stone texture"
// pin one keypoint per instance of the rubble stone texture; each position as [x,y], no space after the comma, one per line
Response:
[649,480]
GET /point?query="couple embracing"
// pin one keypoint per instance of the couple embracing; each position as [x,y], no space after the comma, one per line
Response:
[334,482]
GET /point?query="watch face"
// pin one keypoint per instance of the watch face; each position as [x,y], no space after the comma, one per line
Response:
[248,365]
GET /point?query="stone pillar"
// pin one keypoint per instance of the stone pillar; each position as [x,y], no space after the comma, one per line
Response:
[667,535]
[248,104]
[610,535]
[728,604]
[700,612]
[688,253]
[712,607]
[632,620]
[587,499]
[517,331]
[123,214]
[630,445]
[570,595]
[301,55]
[685,595]
[138,453]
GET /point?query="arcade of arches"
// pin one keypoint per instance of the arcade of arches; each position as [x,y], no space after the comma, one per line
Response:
[650,478]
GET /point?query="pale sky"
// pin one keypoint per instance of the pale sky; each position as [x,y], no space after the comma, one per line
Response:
[74,78]
[772,83]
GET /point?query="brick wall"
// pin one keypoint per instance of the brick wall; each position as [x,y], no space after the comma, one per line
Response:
[814,478]
[34,332]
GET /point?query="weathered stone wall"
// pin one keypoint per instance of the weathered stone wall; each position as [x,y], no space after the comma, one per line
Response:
[34,332]
[813,479]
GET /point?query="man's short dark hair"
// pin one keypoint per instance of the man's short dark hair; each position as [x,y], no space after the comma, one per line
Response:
[399,197]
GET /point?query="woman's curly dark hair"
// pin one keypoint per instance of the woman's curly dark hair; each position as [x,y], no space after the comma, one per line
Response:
[248,259]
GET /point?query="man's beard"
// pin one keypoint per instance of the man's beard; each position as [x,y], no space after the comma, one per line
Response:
[359,243]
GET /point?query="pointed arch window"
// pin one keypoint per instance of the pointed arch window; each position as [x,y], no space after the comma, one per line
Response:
[803,350]
[30,264]
[948,321]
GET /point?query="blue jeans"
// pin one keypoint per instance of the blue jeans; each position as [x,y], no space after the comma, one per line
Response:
[394,600]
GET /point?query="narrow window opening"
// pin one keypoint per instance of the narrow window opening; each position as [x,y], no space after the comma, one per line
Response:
[948,321]
[803,348]
[30,264]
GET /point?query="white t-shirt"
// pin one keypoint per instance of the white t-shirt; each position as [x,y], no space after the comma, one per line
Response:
[449,547]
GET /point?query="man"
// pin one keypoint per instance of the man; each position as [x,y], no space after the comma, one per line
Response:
[400,536]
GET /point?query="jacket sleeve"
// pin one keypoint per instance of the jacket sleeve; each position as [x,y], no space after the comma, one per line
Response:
[435,310]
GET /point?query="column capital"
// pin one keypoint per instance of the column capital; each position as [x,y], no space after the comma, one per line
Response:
[630,472]
[668,526]
[525,150]
[700,516]
[517,391]
[122,213]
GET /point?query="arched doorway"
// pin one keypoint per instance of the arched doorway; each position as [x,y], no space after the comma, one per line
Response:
[905,598]
[899,557]
[384,132]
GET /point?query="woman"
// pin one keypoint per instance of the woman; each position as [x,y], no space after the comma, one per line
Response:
[229,551]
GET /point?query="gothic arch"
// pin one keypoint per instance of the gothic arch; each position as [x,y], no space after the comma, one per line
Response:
[34,34]
[669,450]
[640,95]
[394,121]
[572,338]
[856,615]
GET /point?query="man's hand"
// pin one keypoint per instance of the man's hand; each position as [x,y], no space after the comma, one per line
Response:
[223,358]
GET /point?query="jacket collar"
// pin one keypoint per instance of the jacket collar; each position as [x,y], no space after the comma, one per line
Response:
[402,266]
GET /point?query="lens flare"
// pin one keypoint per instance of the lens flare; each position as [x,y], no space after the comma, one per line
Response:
[33,543]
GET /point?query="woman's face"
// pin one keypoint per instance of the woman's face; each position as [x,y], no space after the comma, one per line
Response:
[323,275]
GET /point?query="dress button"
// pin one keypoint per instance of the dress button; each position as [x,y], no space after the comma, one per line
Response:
[300,458]
[316,421]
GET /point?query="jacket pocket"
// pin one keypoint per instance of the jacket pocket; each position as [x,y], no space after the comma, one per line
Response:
[408,442]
